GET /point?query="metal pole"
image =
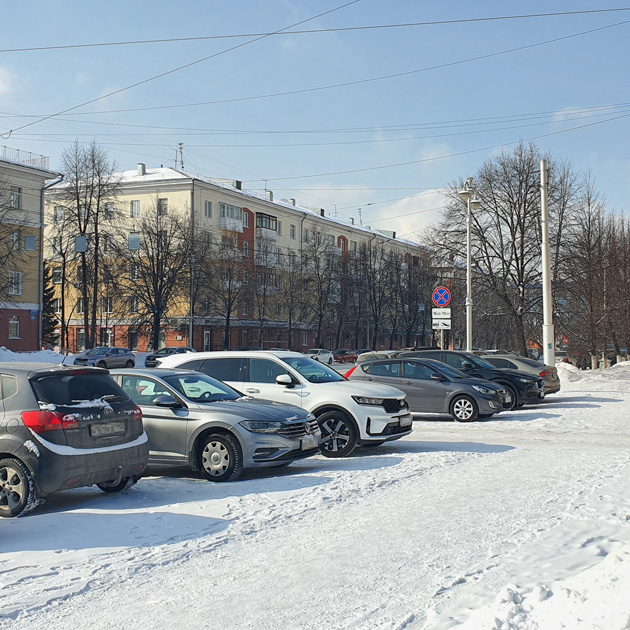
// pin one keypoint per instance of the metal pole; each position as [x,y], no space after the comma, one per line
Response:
[549,352]
[192,300]
[469,299]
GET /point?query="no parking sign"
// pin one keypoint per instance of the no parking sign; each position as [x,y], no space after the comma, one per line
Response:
[441,296]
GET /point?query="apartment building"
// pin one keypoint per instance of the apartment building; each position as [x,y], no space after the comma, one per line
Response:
[23,176]
[269,235]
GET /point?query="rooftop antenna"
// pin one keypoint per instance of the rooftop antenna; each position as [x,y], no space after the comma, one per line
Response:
[181,154]
[360,219]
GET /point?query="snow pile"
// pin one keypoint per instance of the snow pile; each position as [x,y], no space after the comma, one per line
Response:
[615,378]
[43,356]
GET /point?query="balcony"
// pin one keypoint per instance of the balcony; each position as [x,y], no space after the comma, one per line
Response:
[266,234]
[230,224]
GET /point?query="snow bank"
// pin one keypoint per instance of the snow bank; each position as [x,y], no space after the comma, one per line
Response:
[44,356]
[615,378]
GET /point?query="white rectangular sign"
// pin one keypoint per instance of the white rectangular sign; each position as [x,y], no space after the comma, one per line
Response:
[441,313]
[441,324]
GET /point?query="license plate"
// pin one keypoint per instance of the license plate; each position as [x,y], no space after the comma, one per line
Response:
[309,442]
[508,398]
[109,428]
[405,421]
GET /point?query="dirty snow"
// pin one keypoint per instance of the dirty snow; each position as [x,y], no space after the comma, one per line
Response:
[519,522]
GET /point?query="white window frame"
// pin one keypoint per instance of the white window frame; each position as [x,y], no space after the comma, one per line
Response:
[134,208]
[162,207]
[245,219]
[15,197]
[59,213]
[207,209]
[14,327]
[292,231]
[108,305]
[15,283]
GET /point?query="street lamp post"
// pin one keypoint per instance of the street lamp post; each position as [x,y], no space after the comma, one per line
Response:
[469,195]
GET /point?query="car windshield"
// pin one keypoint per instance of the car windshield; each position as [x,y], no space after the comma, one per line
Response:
[313,371]
[165,351]
[201,388]
[449,371]
[480,362]
[94,351]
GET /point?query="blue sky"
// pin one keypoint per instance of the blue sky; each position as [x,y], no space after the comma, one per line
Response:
[419,116]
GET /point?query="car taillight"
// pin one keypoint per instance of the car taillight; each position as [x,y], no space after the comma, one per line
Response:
[137,413]
[350,372]
[544,373]
[42,421]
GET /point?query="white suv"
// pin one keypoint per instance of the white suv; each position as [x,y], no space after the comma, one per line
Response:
[348,412]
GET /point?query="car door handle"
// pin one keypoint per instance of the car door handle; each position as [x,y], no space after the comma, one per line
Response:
[407,382]
[251,390]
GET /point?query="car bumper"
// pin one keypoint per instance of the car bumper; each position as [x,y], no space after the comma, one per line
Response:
[534,395]
[57,467]
[491,404]
[269,449]
[380,429]
[150,363]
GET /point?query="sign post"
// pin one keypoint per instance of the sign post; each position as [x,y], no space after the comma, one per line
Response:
[441,315]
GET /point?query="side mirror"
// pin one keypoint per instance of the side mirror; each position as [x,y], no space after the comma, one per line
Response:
[437,377]
[467,366]
[284,379]
[166,401]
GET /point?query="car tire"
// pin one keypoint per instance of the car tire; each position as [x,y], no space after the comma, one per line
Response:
[129,364]
[123,484]
[17,489]
[341,360]
[220,457]
[330,361]
[101,364]
[512,392]
[463,409]
[339,436]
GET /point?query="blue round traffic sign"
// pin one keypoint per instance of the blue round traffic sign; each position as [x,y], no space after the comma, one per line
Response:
[441,296]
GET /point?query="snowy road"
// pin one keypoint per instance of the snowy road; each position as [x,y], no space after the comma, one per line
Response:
[521,521]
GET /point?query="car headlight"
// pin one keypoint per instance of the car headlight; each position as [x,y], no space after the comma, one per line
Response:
[484,390]
[366,400]
[256,426]
[529,381]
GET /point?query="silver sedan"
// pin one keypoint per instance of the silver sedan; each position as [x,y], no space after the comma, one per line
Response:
[194,419]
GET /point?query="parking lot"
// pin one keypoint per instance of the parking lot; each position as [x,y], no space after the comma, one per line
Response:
[430,531]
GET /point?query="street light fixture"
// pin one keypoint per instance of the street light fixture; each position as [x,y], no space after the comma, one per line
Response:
[469,195]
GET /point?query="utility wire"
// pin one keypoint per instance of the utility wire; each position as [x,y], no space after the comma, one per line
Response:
[347,83]
[319,30]
[444,157]
[173,70]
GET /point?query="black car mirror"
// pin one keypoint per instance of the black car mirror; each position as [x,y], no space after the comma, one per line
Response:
[467,366]
[166,401]
[284,379]
[437,377]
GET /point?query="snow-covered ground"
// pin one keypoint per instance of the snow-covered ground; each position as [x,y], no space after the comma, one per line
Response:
[518,522]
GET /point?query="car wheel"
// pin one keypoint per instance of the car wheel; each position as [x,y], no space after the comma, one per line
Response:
[329,361]
[464,409]
[510,390]
[339,437]
[129,364]
[112,486]
[101,364]
[220,457]
[17,490]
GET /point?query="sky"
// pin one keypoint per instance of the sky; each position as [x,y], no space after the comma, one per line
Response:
[346,138]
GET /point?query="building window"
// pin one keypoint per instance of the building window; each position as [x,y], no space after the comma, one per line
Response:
[80,306]
[228,211]
[134,273]
[292,231]
[56,275]
[16,238]
[162,207]
[14,327]
[58,214]
[305,338]
[30,243]
[207,209]
[15,283]
[279,228]
[342,244]
[108,304]
[57,305]
[266,221]
[305,235]
[353,246]
[246,219]
[278,255]
[207,238]
[109,211]
[106,244]
[133,304]
[244,309]
[134,209]
[15,198]
[245,249]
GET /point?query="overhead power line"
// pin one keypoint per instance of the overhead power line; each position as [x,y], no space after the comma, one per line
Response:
[168,40]
[173,70]
[340,85]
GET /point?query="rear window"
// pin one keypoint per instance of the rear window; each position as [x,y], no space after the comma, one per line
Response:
[70,389]
[530,362]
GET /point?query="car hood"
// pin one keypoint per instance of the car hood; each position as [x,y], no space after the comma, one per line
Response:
[357,388]
[255,409]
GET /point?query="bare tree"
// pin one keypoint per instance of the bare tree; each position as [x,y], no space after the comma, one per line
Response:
[10,237]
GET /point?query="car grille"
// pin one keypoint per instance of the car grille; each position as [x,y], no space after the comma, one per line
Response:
[298,429]
[393,405]
[502,392]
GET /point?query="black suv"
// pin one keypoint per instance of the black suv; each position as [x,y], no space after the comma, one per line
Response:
[65,427]
[522,388]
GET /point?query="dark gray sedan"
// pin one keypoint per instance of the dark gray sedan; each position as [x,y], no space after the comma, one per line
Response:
[106,357]
[196,420]
[434,387]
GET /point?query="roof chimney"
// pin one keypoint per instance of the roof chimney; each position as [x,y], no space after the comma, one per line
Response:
[142,169]
[322,213]
[292,201]
[393,234]
[269,195]
[351,220]
[238,184]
